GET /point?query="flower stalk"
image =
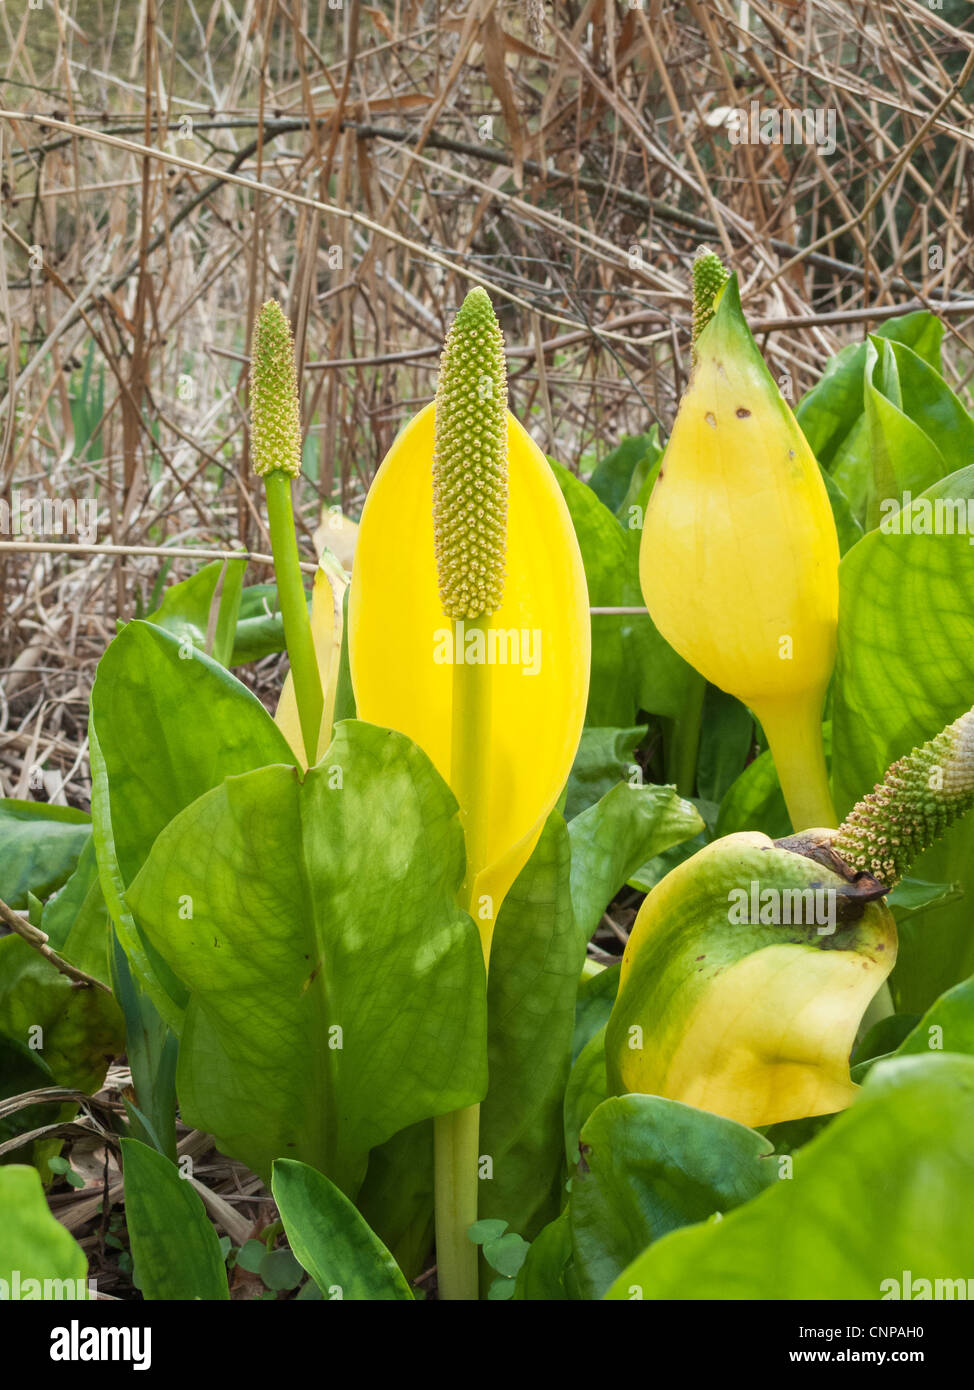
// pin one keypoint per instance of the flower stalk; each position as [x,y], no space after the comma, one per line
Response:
[276,434]
[469,528]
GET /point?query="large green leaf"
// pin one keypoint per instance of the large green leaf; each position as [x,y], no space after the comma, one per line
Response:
[834,406]
[167,724]
[610,840]
[344,1257]
[633,667]
[614,476]
[905,669]
[260,626]
[547,1274]
[725,742]
[78,1032]
[587,1088]
[649,1166]
[35,1245]
[535,961]
[396,1198]
[884,1189]
[604,757]
[175,1250]
[336,992]
[593,1005]
[77,921]
[40,845]
[947,1026]
[902,455]
[202,610]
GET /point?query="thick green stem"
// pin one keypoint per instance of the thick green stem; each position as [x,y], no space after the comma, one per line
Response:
[294,611]
[456,1140]
[794,732]
[685,742]
[456,1136]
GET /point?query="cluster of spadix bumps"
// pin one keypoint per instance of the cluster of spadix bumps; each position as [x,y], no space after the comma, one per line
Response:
[917,801]
[470,463]
[274,411]
[710,275]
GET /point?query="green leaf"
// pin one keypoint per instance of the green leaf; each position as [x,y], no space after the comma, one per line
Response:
[913,895]
[260,627]
[903,456]
[483,1231]
[151,1049]
[336,992]
[202,610]
[22,1070]
[726,737]
[649,1166]
[250,1255]
[535,962]
[35,1245]
[948,1026]
[280,1270]
[848,528]
[506,1254]
[613,476]
[76,919]
[40,846]
[905,669]
[163,731]
[604,757]
[587,1088]
[593,1006]
[612,838]
[396,1198]
[174,1247]
[633,667]
[834,406]
[501,1290]
[926,399]
[754,801]
[884,1189]
[77,1032]
[544,1276]
[331,1240]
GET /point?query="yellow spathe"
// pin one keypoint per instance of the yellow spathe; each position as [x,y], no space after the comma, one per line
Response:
[400,640]
[739,558]
[753,1020]
[326,631]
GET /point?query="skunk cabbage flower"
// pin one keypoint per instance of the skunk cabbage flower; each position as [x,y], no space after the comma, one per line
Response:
[743,983]
[750,966]
[469,627]
[739,558]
